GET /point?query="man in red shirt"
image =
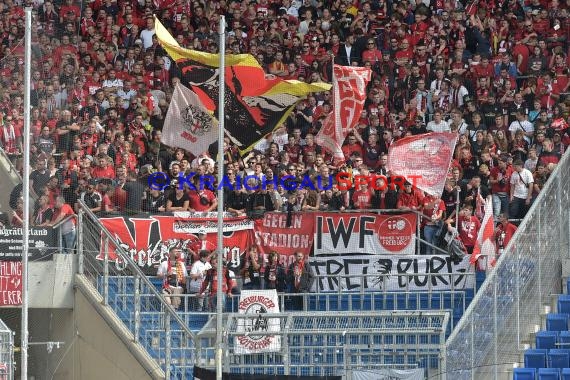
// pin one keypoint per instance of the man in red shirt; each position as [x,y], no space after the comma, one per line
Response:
[504,232]
[61,211]
[353,146]
[362,198]
[202,244]
[410,198]
[500,181]
[547,91]
[103,170]
[468,227]
[202,199]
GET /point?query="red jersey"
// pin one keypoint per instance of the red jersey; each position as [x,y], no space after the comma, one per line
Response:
[428,211]
[99,172]
[195,197]
[468,230]
[294,151]
[504,239]
[362,199]
[498,174]
[411,200]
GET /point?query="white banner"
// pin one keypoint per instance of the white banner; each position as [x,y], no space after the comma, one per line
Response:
[188,124]
[390,272]
[256,339]
[365,233]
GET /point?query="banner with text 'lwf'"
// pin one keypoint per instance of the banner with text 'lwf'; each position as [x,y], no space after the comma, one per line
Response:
[364,234]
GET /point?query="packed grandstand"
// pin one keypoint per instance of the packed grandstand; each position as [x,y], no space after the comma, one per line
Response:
[494,74]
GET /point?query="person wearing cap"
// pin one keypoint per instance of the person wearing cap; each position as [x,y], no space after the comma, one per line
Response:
[91,197]
[522,185]
[199,245]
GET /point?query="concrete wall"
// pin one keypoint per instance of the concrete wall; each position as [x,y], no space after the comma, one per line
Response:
[51,282]
[91,350]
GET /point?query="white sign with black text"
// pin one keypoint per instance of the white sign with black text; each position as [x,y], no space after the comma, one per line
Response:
[391,272]
[257,337]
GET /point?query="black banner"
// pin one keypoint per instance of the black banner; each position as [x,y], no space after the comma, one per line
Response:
[42,243]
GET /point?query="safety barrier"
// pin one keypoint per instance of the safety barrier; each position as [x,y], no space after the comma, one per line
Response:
[489,339]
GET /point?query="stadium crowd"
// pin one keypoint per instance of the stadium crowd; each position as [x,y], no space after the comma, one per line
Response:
[496,72]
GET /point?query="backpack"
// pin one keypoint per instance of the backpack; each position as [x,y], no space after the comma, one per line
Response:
[455,247]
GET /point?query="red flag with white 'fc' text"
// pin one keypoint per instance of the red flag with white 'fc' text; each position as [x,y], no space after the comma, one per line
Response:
[349,91]
[423,159]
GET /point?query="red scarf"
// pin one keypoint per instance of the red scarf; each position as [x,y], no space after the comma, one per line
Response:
[179,273]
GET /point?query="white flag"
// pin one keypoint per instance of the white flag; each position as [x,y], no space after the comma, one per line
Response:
[484,251]
[188,124]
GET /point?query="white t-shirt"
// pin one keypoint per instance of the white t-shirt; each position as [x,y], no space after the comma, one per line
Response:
[525,126]
[441,127]
[200,268]
[520,181]
[146,37]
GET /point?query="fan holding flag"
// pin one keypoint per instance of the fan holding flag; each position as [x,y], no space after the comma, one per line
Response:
[484,248]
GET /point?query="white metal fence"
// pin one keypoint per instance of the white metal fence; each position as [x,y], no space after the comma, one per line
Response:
[6,352]
[489,339]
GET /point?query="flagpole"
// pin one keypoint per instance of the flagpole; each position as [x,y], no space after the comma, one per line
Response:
[221,123]
[26,191]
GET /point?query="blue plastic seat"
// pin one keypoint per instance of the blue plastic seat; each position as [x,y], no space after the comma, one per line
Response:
[549,374]
[557,322]
[524,374]
[563,339]
[565,374]
[564,304]
[546,339]
[559,358]
[535,358]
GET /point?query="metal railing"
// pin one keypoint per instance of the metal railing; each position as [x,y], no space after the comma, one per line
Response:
[166,337]
[6,352]
[337,343]
[490,337]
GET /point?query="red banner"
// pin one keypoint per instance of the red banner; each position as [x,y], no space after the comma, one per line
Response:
[11,283]
[272,234]
[349,87]
[427,159]
[362,233]
[148,238]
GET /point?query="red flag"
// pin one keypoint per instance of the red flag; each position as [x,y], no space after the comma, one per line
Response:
[349,86]
[423,159]
[485,243]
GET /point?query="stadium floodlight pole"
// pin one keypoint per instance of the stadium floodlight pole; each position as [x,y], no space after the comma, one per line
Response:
[219,269]
[26,191]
